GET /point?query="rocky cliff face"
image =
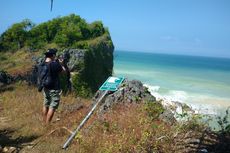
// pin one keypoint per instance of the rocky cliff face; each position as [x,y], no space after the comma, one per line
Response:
[94,68]
[5,78]
[87,68]
[135,92]
[128,92]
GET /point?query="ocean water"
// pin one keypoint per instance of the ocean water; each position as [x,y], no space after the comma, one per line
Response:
[201,82]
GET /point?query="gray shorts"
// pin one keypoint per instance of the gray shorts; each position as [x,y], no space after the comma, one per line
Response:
[51,98]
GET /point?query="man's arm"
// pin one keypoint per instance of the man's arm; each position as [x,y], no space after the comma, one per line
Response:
[63,66]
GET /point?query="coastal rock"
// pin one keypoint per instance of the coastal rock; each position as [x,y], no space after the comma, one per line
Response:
[73,58]
[5,78]
[180,111]
[86,68]
[203,151]
[168,117]
[131,92]
[10,150]
[128,92]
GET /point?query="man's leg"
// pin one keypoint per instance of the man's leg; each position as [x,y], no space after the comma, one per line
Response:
[50,115]
[44,113]
[55,99]
[47,100]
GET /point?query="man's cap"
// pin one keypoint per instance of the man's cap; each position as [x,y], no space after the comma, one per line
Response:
[51,51]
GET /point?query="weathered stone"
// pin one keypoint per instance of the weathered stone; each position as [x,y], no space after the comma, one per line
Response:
[192,141]
[5,78]
[12,150]
[131,92]
[73,58]
[168,117]
[86,68]
[5,149]
[203,151]
[128,92]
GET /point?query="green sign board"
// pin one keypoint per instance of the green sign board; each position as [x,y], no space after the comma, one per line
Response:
[112,83]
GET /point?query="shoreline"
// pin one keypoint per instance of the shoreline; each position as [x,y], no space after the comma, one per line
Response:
[210,114]
[208,106]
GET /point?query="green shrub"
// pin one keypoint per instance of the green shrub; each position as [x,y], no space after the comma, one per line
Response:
[2,58]
[80,87]
[153,109]
[224,122]
[65,31]
[193,123]
[96,67]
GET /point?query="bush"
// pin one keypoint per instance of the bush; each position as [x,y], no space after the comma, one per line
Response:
[80,87]
[224,122]
[2,57]
[153,109]
[65,31]
[15,37]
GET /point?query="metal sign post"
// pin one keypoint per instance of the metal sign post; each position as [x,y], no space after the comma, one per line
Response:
[83,121]
[110,84]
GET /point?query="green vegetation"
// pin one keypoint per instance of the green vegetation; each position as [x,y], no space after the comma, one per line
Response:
[224,122]
[65,31]
[25,40]
[153,109]
[97,66]
[16,36]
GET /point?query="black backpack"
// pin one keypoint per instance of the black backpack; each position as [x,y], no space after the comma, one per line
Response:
[44,76]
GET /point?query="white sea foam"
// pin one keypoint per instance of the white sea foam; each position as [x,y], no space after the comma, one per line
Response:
[173,95]
[177,95]
[201,104]
[204,104]
[208,109]
[154,91]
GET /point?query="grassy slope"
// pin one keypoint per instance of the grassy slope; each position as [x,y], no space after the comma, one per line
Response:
[16,63]
[21,107]
[125,128]
[20,61]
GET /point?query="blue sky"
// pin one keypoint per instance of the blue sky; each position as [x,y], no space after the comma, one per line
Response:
[192,27]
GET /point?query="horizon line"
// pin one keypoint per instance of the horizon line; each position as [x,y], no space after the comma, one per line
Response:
[164,53]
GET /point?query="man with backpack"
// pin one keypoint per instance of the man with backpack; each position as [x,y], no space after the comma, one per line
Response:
[49,81]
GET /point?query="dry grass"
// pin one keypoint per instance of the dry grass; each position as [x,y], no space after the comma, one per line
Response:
[17,63]
[124,128]
[20,111]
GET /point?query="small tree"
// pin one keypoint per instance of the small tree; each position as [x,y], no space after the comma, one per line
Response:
[15,37]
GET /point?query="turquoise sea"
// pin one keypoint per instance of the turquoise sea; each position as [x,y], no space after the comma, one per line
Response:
[201,82]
